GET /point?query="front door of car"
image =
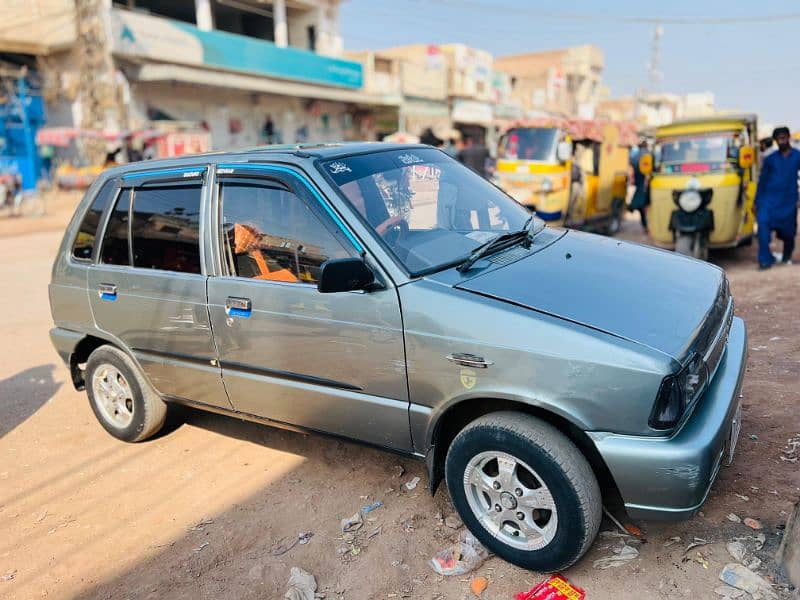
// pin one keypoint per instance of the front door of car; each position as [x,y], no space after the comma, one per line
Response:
[330,362]
[147,288]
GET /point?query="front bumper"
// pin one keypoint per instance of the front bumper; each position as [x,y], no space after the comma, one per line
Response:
[670,478]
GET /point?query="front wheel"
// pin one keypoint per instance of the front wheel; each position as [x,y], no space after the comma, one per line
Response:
[692,244]
[524,490]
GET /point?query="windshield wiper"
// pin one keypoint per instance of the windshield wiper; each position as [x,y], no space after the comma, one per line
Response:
[526,234]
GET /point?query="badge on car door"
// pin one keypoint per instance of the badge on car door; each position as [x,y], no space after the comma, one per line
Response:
[468,378]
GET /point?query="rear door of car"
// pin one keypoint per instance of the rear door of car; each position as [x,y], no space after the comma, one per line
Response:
[147,287]
[329,362]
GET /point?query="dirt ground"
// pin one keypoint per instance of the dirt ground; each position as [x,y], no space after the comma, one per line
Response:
[204,510]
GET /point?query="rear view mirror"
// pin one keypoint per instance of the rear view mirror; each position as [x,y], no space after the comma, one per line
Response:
[747,155]
[344,275]
[564,152]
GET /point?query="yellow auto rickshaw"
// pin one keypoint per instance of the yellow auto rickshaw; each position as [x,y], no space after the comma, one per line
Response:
[535,163]
[703,184]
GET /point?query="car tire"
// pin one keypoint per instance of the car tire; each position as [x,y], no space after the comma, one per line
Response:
[122,399]
[542,455]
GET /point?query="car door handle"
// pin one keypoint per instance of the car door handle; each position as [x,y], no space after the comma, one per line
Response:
[237,307]
[107,291]
[469,360]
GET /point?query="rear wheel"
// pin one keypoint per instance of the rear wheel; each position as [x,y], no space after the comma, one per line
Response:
[524,490]
[123,401]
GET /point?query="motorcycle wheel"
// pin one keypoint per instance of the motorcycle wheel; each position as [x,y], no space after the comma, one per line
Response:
[684,244]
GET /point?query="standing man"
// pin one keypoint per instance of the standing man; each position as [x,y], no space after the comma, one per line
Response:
[641,182]
[475,156]
[776,199]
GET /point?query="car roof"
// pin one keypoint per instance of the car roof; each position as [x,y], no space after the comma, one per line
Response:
[279,153]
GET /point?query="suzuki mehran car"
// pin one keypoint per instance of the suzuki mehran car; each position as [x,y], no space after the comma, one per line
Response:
[387,294]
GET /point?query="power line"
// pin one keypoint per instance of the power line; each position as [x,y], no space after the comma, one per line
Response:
[646,20]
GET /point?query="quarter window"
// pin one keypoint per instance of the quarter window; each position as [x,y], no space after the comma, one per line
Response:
[166,228]
[271,233]
[115,241]
[84,242]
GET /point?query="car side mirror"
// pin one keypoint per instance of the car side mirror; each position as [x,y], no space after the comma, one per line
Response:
[564,152]
[747,155]
[344,275]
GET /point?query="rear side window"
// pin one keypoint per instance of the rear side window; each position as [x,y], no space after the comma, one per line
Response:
[84,242]
[115,241]
[166,228]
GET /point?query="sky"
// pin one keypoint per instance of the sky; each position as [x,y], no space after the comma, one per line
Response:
[707,45]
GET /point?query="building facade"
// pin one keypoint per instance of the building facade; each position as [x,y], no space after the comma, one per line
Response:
[248,72]
[654,110]
[562,83]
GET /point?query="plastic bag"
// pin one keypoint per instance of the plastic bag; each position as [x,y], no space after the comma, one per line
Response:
[466,555]
[555,588]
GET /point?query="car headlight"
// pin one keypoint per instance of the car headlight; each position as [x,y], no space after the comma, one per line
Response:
[678,392]
[547,184]
[690,200]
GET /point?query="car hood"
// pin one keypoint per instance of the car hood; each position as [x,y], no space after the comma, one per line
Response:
[643,294]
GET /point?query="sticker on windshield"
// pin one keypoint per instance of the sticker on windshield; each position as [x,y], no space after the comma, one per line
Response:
[338,167]
[409,159]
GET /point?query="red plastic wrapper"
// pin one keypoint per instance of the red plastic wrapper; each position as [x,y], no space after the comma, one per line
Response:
[555,588]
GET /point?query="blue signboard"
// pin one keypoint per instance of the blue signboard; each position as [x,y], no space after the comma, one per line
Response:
[160,39]
[231,51]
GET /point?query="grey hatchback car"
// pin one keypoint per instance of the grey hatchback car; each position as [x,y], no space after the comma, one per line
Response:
[387,294]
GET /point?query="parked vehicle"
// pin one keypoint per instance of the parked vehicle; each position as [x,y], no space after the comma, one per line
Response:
[572,173]
[282,286]
[704,184]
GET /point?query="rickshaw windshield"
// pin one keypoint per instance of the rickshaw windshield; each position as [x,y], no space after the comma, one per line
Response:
[530,143]
[698,153]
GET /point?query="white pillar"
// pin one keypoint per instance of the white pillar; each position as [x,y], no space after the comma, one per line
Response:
[279,20]
[202,11]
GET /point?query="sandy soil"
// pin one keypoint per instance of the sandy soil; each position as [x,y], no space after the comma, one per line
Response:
[204,510]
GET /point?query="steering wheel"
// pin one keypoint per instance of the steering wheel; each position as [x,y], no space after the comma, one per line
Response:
[395,232]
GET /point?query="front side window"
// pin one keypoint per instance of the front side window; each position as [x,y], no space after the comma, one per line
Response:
[430,210]
[271,233]
[166,228]
[115,241]
[85,239]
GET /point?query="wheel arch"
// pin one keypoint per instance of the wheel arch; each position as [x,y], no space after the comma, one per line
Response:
[457,416]
[84,348]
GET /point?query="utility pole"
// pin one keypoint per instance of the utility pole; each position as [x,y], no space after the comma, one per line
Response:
[654,66]
[99,94]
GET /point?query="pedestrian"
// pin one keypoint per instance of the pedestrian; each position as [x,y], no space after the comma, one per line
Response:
[474,155]
[453,147]
[641,182]
[430,138]
[776,199]
[269,130]
[131,152]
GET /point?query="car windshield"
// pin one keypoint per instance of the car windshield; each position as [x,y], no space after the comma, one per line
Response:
[687,154]
[429,209]
[530,143]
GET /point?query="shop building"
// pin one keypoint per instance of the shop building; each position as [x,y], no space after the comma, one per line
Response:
[249,72]
[561,83]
